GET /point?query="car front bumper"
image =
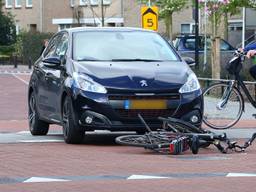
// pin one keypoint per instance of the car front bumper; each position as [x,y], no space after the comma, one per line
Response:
[105,111]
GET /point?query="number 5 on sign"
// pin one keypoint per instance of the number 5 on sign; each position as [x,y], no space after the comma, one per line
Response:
[149,18]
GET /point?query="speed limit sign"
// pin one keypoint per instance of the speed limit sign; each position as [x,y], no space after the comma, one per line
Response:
[149,18]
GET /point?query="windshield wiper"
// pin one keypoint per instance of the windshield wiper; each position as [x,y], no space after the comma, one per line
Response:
[90,60]
[145,60]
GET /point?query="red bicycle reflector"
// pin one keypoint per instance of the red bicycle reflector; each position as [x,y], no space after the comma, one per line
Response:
[172,148]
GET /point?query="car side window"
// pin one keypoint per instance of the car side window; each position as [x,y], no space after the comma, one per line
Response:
[224,46]
[62,46]
[51,47]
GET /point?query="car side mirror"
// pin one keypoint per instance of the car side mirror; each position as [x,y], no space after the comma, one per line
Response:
[190,61]
[52,62]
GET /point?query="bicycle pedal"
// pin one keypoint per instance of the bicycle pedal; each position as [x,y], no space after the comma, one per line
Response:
[254,115]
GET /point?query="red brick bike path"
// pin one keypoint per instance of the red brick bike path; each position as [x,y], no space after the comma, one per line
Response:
[173,185]
[48,160]
[101,156]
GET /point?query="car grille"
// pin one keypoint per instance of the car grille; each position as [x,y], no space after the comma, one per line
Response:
[150,97]
[146,113]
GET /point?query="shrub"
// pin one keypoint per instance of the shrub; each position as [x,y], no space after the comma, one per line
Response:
[7,29]
[6,50]
[29,45]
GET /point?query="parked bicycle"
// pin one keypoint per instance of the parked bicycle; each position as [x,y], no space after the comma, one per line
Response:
[223,102]
[178,136]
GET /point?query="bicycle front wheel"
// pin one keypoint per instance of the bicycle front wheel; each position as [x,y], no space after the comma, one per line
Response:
[223,106]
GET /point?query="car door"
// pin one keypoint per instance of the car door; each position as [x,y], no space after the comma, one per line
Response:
[41,85]
[55,77]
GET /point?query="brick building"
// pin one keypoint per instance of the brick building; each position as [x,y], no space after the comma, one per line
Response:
[53,15]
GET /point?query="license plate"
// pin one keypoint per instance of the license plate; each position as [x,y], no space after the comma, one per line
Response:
[145,104]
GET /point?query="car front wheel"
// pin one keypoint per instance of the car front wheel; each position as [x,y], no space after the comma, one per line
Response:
[70,124]
[36,126]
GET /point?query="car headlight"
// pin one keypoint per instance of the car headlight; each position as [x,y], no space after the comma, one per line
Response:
[191,84]
[86,83]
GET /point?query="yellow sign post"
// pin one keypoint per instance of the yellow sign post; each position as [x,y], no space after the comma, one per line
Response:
[149,18]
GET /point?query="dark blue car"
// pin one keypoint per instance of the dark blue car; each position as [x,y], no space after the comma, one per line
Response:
[101,78]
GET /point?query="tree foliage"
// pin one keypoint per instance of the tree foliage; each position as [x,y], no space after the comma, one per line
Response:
[166,10]
[218,9]
[7,28]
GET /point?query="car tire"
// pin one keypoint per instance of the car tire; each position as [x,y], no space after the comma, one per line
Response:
[70,124]
[36,126]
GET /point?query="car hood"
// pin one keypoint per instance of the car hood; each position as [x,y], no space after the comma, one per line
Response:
[136,75]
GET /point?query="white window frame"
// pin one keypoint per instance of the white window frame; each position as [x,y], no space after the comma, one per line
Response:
[72,3]
[8,6]
[16,5]
[29,5]
[83,2]
[190,27]
[17,26]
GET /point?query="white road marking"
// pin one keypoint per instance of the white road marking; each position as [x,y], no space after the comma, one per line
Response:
[138,177]
[17,77]
[42,141]
[43,180]
[23,132]
[15,72]
[241,175]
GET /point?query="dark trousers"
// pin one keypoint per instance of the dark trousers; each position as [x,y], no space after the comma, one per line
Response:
[253,71]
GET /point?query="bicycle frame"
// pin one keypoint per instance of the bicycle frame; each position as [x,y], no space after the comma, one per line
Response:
[226,95]
[240,83]
[189,139]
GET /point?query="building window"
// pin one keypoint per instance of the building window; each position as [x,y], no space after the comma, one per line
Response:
[17,29]
[235,26]
[83,2]
[33,28]
[65,26]
[72,3]
[29,3]
[8,3]
[187,28]
[17,3]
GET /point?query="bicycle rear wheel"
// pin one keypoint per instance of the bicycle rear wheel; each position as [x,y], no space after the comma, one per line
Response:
[147,141]
[219,114]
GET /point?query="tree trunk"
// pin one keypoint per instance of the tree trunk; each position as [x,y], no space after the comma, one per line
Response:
[226,26]
[168,26]
[216,58]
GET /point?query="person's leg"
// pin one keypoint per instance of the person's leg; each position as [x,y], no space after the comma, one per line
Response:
[253,71]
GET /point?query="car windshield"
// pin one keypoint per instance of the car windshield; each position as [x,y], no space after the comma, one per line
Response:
[190,44]
[121,46]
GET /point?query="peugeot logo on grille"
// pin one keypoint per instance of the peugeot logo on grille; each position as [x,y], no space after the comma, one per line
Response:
[143,83]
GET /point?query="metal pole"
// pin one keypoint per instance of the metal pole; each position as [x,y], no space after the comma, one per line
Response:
[149,3]
[102,14]
[244,26]
[197,33]
[205,34]
[41,15]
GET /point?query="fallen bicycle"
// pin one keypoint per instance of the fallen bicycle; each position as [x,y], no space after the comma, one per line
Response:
[178,136]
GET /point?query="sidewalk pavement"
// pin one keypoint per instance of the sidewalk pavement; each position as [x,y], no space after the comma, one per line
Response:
[11,69]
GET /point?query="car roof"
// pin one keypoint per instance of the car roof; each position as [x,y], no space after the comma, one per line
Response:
[121,29]
[190,35]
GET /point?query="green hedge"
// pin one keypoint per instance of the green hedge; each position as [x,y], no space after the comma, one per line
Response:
[7,50]
[29,45]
